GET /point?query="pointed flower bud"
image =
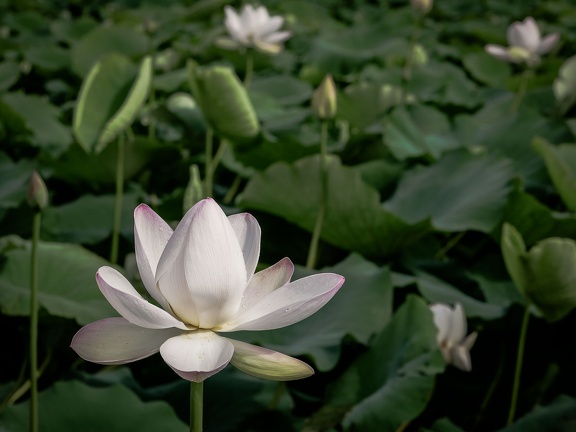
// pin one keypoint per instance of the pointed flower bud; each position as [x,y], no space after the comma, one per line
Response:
[324,101]
[421,6]
[37,192]
[193,192]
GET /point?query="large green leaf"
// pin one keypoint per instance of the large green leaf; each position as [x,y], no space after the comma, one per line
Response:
[9,73]
[110,97]
[106,40]
[355,219]
[546,274]
[416,131]
[285,89]
[559,416]
[486,68]
[437,291]
[42,120]
[88,220]
[391,383]
[224,102]
[14,178]
[66,282]
[561,164]
[74,406]
[451,194]
[363,103]
[535,221]
[362,307]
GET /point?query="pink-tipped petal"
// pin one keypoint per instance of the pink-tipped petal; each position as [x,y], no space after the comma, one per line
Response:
[264,363]
[442,318]
[458,328]
[202,272]
[151,234]
[266,281]
[233,24]
[248,232]
[548,43]
[499,52]
[524,34]
[277,38]
[460,358]
[117,341]
[130,304]
[197,355]
[288,304]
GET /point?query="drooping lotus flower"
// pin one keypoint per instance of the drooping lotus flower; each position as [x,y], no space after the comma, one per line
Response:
[451,337]
[202,276]
[253,28]
[526,43]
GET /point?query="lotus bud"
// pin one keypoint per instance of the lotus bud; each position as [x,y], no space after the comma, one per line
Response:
[421,6]
[324,102]
[193,192]
[37,193]
[419,55]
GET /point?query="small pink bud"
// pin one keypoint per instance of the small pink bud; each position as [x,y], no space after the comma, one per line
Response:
[37,192]
[324,101]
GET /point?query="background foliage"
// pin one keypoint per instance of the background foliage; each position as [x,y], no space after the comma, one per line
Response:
[440,190]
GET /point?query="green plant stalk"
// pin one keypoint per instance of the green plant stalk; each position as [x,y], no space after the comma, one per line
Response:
[34,323]
[151,94]
[118,201]
[196,400]
[518,371]
[249,71]
[313,251]
[208,175]
[524,79]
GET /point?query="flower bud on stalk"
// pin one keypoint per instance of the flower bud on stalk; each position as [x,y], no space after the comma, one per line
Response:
[324,101]
[421,6]
[37,192]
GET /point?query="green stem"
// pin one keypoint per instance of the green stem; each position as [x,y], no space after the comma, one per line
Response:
[151,93]
[196,397]
[524,79]
[407,72]
[219,154]
[313,251]
[34,323]
[118,200]
[518,371]
[280,388]
[208,163]
[233,190]
[249,68]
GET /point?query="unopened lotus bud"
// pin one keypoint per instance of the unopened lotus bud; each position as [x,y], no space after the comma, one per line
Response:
[193,192]
[419,55]
[421,6]
[37,193]
[324,101]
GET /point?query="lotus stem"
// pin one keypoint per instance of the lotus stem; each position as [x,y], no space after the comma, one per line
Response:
[313,251]
[208,163]
[249,71]
[118,201]
[518,371]
[151,94]
[524,79]
[233,189]
[196,400]
[34,322]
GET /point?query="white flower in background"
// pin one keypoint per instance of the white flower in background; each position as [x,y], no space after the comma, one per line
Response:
[253,28]
[452,340]
[202,276]
[526,43]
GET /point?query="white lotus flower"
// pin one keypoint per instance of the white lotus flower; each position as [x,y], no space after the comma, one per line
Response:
[202,276]
[451,337]
[526,43]
[253,28]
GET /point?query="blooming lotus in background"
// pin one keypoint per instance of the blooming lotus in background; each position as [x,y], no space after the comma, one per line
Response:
[451,337]
[526,43]
[202,276]
[253,28]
